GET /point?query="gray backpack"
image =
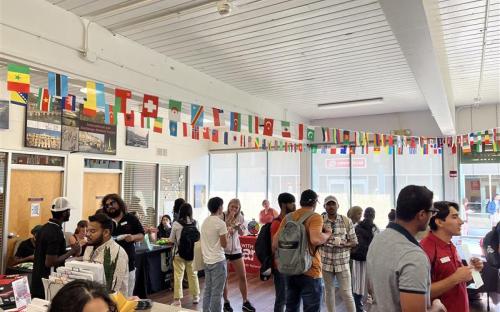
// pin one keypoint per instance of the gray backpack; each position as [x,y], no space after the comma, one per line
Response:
[294,257]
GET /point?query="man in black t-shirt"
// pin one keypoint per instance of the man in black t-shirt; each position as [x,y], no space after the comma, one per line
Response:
[128,230]
[26,250]
[50,247]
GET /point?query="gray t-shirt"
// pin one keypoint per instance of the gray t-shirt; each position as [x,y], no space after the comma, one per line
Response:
[396,263]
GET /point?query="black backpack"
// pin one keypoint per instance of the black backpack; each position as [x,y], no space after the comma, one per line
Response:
[263,246]
[189,236]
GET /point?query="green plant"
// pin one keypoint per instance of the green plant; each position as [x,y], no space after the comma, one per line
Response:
[109,268]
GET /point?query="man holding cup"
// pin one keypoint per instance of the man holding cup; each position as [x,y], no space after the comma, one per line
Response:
[336,253]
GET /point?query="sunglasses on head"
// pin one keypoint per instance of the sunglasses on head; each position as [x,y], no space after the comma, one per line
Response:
[109,204]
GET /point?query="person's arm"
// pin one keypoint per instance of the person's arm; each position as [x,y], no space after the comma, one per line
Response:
[137,234]
[54,260]
[222,229]
[223,240]
[352,239]
[462,274]
[16,260]
[173,235]
[72,240]
[261,217]
[411,302]
[316,234]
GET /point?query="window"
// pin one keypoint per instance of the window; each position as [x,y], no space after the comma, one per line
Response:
[330,176]
[102,164]
[420,169]
[372,183]
[172,186]
[252,175]
[284,176]
[37,160]
[223,176]
[3,181]
[139,191]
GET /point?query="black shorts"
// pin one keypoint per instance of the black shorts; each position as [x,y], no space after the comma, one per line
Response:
[234,256]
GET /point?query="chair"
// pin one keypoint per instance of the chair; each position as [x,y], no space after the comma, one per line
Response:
[67,235]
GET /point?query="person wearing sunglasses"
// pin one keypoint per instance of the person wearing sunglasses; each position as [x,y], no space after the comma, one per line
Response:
[449,276]
[127,230]
[397,268]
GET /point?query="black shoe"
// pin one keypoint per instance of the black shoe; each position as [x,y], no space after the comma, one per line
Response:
[247,306]
[227,307]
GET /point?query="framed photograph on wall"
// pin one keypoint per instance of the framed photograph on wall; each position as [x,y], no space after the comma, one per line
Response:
[200,195]
[137,137]
[4,114]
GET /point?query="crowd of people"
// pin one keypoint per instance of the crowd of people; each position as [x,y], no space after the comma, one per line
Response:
[312,254]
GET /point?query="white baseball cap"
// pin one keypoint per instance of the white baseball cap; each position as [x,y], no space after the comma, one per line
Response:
[61,204]
[331,198]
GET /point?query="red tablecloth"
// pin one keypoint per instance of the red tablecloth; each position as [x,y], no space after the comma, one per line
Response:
[252,264]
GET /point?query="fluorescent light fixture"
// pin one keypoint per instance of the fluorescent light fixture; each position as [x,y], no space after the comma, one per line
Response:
[349,104]
[83,90]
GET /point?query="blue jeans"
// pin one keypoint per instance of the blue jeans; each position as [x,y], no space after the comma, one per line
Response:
[280,286]
[215,278]
[304,287]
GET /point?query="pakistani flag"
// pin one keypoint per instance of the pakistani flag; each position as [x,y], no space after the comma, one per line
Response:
[310,134]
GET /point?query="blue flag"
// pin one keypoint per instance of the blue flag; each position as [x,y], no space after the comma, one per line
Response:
[58,84]
[173,128]
[99,91]
[197,115]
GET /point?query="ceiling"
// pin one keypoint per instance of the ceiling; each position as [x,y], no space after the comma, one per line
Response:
[301,53]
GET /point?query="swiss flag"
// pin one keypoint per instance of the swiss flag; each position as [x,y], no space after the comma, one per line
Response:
[150,106]
[268,126]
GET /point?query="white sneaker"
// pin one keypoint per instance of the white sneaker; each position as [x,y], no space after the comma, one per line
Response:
[177,303]
[196,299]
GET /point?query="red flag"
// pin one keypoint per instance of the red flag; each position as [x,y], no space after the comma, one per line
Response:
[121,97]
[184,129]
[206,133]
[301,132]
[268,126]
[216,113]
[215,135]
[150,106]
[333,150]
[129,119]
[195,133]
[256,125]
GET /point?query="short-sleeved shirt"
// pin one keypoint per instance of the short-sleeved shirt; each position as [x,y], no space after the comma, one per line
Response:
[267,217]
[50,241]
[396,263]
[275,225]
[128,225]
[25,249]
[445,261]
[212,229]
[334,258]
[314,222]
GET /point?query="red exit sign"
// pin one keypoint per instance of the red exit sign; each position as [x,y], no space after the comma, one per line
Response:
[333,163]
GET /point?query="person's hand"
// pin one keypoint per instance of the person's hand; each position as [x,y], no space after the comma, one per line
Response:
[463,274]
[76,249]
[477,264]
[129,238]
[230,230]
[438,306]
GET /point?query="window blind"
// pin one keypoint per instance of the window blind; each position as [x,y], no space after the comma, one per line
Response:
[139,191]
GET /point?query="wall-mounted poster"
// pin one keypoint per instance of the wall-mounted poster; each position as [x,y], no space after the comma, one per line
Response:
[137,137]
[4,114]
[43,129]
[97,138]
[70,128]
[200,195]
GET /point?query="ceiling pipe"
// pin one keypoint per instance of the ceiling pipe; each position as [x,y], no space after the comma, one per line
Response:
[477,100]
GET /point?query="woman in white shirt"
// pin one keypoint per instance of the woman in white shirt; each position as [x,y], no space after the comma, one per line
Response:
[181,264]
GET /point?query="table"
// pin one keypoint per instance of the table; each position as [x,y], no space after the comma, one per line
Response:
[148,276]
[160,307]
[252,264]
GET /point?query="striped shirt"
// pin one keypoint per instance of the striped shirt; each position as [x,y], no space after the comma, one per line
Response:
[336,259]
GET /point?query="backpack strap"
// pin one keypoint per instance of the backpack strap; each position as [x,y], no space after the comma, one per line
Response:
[305,216]
[347,224]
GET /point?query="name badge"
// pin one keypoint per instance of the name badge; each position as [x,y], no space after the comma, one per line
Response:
[445,259]
[123,223]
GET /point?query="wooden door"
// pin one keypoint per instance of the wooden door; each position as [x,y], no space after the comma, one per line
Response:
[95,187]
[27,188]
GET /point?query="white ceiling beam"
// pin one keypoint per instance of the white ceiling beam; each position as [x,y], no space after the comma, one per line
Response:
[417,27]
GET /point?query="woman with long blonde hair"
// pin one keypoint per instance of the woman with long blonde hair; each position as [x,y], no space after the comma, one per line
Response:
[235,227]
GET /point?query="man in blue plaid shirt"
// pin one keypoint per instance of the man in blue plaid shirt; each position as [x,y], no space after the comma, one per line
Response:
[335,254]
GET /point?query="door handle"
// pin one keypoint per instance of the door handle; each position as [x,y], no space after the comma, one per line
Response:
[12,235]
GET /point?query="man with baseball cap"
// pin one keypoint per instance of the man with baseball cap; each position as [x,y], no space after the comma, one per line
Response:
[50,249]
[335,255]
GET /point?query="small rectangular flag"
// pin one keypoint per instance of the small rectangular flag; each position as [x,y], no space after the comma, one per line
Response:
[184,129]
[215,135]
[58,84]
[18,78]
[121,97]
[18,98]
[226,138]
[300,132]
[314,149]
[197,115]
[90,104]
[310,134]
[285,129]
[173,128]
[195,133]
[107,114]
[216,112]
[69,102]
[129,119]
[99,93]
[44,100]
[145,122]
[253,124]
[268,126]
[347,137]
[235,122]
[257,143]
[150,106]
[206,133]
[175,110]
[158,127]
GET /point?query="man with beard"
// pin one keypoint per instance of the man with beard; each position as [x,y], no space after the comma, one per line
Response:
[286,201]
[50,249]
[99,243]
[127,231]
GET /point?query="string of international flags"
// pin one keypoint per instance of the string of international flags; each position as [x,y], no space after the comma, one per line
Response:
[260,132]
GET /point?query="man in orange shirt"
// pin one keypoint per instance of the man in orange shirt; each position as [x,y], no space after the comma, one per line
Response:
[307,287]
